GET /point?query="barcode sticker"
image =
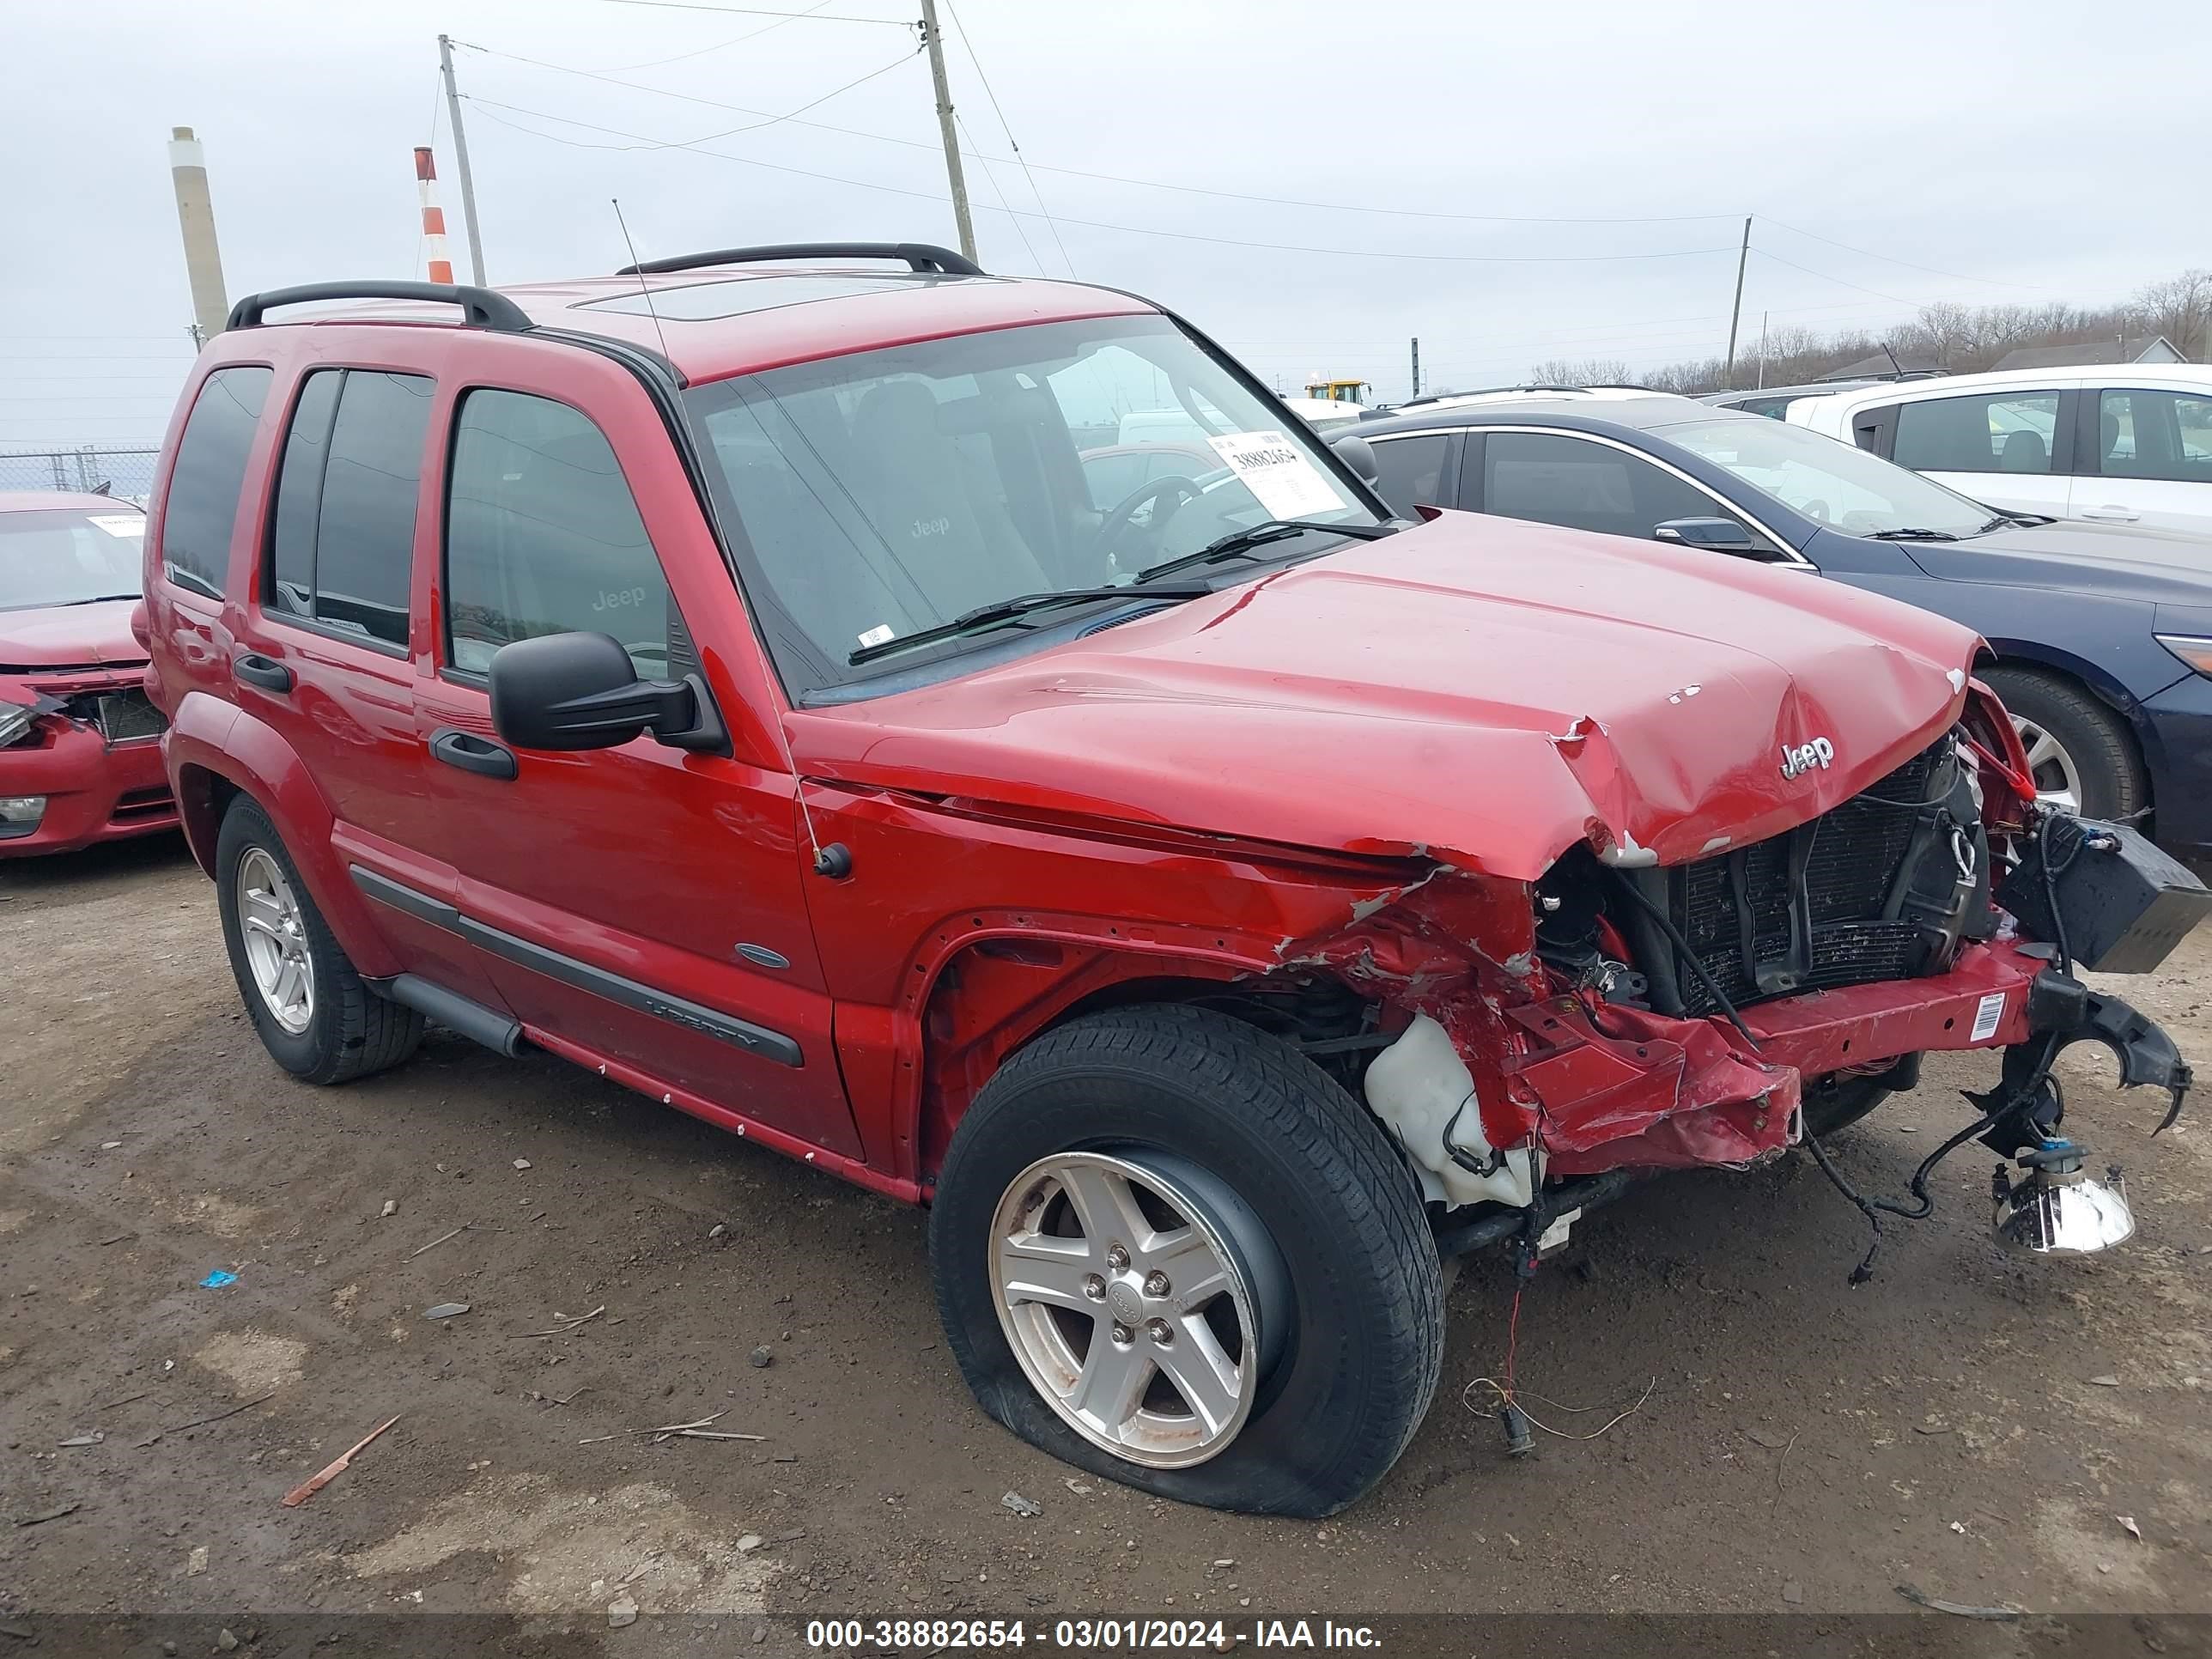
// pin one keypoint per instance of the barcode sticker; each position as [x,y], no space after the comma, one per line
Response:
[1989,1013]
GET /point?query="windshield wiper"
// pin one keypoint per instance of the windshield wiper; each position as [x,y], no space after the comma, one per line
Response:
[99,599]
[1239,543]
[1911,533]
[2028,520]
[1012,609]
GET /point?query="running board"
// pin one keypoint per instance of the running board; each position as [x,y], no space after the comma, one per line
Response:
[455,1012]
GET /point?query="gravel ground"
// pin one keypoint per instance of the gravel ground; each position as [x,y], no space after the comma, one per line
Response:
[1993,1431]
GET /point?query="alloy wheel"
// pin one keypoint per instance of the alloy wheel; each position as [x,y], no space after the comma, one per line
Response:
[2058,778]
[1140,1298]
[276,937]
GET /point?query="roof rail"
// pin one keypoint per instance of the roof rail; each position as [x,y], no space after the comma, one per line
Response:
[480,307]
[918,255]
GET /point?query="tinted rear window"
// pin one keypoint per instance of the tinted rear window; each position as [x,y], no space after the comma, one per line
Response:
[202,507]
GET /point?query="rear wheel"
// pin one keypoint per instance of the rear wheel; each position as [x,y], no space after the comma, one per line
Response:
[317,1016]
[1171,1250]
[2079,752]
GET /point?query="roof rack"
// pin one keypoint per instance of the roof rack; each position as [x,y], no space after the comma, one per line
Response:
[918,255]
[480,307]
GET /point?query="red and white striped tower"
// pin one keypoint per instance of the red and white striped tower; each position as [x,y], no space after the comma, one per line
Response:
[434,216]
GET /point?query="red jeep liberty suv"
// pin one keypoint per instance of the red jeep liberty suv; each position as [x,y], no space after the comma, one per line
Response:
[1220,905]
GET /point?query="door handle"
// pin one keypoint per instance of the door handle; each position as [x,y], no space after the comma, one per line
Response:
[2112,514]
[252,668]
[472,753]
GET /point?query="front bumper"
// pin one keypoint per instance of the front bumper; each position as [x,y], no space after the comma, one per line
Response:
[1654,1091]
[94,791]
[2177,728]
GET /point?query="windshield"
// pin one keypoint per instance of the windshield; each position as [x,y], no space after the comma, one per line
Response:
[1830,482]
[887,492]
[66,555]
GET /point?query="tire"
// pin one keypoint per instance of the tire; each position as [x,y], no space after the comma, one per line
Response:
[2088,737]
[346,1029]
[1301,1183]
[1834,1103]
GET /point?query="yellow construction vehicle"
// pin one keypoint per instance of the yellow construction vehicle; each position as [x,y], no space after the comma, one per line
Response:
[1336,391]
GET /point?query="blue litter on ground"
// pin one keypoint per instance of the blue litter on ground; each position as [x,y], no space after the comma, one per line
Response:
[218,1280]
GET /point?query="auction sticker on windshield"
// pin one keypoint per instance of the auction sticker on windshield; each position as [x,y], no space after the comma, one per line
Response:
[1278,473]
[118,524]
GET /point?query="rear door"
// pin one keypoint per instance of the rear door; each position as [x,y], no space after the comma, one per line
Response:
[2010,449]
[1416,470]
[2145,459]
[327,652]
[640,903]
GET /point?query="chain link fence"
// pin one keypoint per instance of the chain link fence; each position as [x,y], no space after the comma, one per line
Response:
[125,472]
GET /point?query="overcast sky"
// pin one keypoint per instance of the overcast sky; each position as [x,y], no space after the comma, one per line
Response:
[2027,150]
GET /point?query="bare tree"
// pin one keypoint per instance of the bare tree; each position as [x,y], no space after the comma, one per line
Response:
[1595,371]
[2180,308]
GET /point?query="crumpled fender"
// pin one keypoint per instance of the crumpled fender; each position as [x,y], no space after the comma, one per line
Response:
[1647,1090]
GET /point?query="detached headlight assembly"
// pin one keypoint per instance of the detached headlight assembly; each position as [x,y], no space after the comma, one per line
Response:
[15,721]
[2195,651]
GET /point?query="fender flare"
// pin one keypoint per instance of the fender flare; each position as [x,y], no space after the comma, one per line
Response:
[218,739]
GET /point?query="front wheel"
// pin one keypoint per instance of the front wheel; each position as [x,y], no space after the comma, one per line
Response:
[2079,752]
[1171,1250]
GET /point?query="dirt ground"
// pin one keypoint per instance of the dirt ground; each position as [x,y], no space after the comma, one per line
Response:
[1990,1430]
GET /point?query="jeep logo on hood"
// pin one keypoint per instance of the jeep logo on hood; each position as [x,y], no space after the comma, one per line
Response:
[1807,755]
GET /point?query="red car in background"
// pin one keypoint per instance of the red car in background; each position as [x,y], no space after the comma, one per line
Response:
[80,742]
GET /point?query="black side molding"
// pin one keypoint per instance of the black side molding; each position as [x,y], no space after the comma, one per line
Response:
[481,307]
[630,993]
[925,257]
[456,1012]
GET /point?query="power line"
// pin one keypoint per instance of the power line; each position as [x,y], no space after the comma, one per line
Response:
[772,120]
[816,12]
[1891,258]
[1019,229]
[1107,177]
[1091,224]
[969,46]
[1839,281]
[720,46]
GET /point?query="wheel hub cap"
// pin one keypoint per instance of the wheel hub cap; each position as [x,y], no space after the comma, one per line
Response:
[276,938]
[1126,1289]
[2058,778]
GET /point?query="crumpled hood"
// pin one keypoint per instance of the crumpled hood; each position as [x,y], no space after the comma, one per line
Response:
[1483,691]
[70,635]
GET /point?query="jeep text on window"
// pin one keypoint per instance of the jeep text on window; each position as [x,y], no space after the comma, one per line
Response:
[201,508]
[543,535]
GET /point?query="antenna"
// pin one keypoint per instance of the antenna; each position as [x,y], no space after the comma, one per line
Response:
[623,225]
[1893,363]
[833,860]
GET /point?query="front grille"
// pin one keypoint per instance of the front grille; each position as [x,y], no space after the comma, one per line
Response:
[121,716]
[1850,858]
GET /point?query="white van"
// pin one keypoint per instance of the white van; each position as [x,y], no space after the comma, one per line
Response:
[2117,443]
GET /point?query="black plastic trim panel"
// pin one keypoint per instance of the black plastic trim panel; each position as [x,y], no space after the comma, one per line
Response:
[628,993]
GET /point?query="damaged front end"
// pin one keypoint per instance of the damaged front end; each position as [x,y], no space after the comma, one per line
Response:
[1544,1041]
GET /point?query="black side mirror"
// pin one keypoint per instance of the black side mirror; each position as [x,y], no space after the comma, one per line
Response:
[1358,454]
[1716,535]
[582,692]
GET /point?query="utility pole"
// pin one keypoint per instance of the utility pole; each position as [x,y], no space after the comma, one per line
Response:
[461,160]
[1735,315]
[1417,366]
[196,219]
[1762,352]
[935,42]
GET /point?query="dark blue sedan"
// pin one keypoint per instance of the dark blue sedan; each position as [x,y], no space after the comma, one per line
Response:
[2103,635]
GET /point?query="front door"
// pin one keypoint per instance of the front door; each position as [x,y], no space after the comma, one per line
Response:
[641,902]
